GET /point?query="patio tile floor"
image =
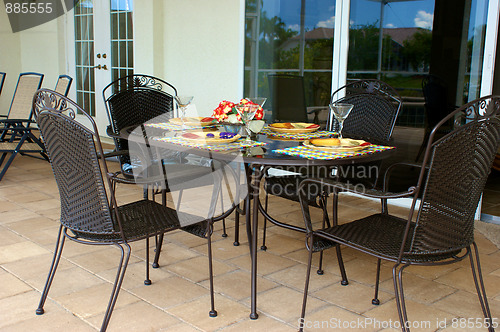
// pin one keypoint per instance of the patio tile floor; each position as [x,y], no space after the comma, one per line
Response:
[178,299]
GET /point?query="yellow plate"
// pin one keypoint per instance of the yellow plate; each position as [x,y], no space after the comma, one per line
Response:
[298,127]
[193,121]
[202,138]
[346,144]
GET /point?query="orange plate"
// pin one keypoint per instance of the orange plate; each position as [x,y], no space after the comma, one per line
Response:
[293,127]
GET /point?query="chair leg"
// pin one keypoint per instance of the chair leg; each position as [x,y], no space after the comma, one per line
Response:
[344,281]
[117,285]
[147,281]
[481,291]
[224,234]
[213,312]
[236,229]
[397,278]
[325,221]
[306,286]
[52,270]
[263,246]
[375,300]
[159,244]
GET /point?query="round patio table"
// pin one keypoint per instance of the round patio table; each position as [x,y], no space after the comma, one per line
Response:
[256,161]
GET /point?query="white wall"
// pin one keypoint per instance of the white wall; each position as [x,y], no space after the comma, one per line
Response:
[196,45]
[39,49]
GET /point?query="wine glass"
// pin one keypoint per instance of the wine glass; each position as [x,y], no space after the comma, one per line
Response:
[257,100]
[247,112]
[341,111]
[183,102]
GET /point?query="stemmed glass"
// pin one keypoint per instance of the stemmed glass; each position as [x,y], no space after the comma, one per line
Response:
[257,100]
[247,112]
[341,111]
[183,102]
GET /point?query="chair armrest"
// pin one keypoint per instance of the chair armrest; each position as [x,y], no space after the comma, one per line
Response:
[389,170]
[120,177]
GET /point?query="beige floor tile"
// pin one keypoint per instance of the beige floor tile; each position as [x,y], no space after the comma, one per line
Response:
[20,250]
[295,277]
[420,316]
[8,207]
[97,261]
[16,215]
[462,279]
[266,263]
[431,272]
[26,197]
[364,269]
[466,305]
[169,292]
[186,239]
[21,307]
[8,237]
[237,284]
[137,317]
[196,269]
[420,289]
[263,323]
[285,304]
[224,249]
[196,312]
[182,327]
[32,226]
[171,253]
[355,297]
[69,280]
[15,286]
[280,244]
[49,322]
[136,274]
[93,300]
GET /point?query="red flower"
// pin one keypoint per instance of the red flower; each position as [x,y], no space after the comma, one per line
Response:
[226,108]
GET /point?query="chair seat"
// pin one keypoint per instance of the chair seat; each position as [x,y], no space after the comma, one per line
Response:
[381,235]
[25,147]
[142,219]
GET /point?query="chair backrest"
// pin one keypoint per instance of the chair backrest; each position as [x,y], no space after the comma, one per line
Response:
[27,85]
[135,99]
[458,167]
[435,93]
[73,151]
[2,79]
[376,107]
[288,101]
[63,84]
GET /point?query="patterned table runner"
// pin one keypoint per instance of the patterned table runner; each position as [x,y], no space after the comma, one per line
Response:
[308,153]
[236,145]
[175,127]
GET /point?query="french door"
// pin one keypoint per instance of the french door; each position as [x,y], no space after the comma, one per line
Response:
[103,51]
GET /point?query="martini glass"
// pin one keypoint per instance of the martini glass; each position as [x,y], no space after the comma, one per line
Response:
[341,111]
[257,100]
[247,112]
[183,102]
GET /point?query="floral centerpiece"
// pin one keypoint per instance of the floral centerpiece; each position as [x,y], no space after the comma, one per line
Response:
[226,112]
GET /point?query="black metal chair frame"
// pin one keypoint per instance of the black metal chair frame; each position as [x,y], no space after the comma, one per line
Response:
[90,213]
[2,80]
[368,96]
[443,231]
[16,131]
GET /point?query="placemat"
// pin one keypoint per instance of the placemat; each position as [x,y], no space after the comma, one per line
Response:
[236,145]
[298,137]
[305,152]
[176,127]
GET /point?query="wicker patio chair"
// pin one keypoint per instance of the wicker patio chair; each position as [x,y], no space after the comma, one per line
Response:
[452,178]
[63,84]
[16,131]
[2,80]
[90,213]
[376,107]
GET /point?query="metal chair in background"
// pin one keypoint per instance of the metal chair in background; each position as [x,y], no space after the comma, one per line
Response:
[2,80]
[63,84]
[16,130]
[453,174]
